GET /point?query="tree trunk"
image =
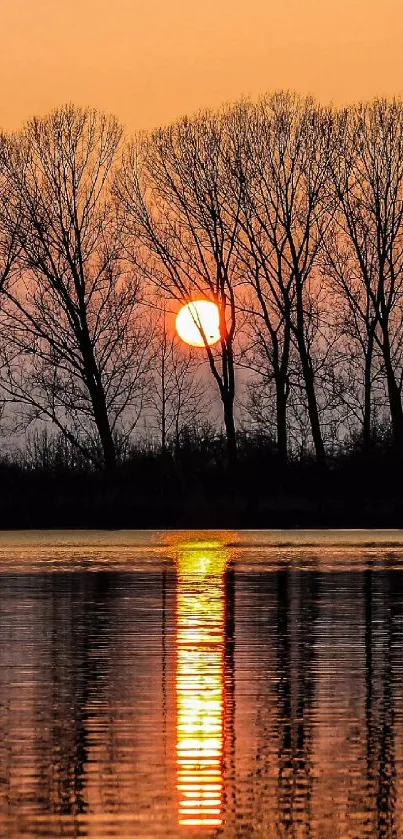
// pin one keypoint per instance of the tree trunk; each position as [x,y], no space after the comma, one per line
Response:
[281,418]
[93,380]
[309,382]
[163,394]
[105,435]
[366,428]
[227,392]
[281,381]
[230,432]
[312,403]
[100,411]
[395,404]
[394,392]
[163,421]
[314,416]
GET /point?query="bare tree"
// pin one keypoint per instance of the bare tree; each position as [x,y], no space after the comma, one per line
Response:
[281,151]
[8,244]
[354,321]
[367,263]
[178,395]
[265,298]
[174,191]
[76,354]
[8,233]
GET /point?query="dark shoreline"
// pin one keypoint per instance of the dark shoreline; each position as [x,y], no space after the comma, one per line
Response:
[118,508]
[154,491]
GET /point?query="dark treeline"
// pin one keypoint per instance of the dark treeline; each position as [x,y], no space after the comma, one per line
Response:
[46,484]
[288,215]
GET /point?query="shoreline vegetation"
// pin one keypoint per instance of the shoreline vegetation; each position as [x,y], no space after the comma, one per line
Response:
[285,214]
[193,488]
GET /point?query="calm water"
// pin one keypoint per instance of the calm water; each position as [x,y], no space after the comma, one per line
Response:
[203,685]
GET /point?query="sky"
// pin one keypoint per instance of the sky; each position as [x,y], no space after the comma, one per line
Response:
[151,61]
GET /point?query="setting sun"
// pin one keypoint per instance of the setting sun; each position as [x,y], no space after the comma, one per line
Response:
[197,317]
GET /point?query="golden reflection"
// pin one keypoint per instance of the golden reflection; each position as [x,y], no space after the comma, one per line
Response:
[200,681]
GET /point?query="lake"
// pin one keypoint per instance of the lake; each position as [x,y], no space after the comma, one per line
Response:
[204,684]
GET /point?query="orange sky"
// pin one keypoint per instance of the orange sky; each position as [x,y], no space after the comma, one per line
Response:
[149,61]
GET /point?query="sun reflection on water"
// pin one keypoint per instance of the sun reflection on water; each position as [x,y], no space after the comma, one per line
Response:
[200,682]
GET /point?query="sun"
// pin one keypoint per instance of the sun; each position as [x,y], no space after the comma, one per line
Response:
[195,317]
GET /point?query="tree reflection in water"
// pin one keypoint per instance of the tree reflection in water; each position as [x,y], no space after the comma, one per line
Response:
[200,692]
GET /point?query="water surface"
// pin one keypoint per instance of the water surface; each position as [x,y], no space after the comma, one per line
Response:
[201,684]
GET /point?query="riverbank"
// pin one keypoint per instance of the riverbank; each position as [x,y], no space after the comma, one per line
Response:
[155,492]
[99,503]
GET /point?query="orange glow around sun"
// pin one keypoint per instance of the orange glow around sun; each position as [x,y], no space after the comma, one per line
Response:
[198,323]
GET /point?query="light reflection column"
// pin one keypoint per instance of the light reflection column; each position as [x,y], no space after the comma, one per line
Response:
[200,682]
